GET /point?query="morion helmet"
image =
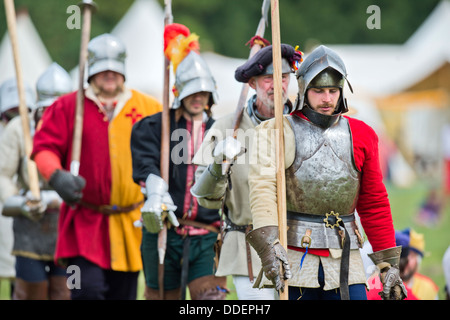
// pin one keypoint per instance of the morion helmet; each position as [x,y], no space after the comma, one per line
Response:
[192,74]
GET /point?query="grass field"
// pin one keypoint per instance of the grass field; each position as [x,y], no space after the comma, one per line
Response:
[405,203]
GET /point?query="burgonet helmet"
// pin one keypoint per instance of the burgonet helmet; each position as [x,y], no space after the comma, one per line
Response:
[54,82]
[106,53]
[322,68]
[192,74]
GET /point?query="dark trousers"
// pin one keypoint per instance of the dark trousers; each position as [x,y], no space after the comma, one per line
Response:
[357,291]
[103,284]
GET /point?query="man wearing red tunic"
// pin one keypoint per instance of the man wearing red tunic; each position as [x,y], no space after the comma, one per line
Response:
[96,231]
[332,169]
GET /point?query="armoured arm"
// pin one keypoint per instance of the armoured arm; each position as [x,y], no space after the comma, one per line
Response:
[210,186]
[211,183]
[27,206]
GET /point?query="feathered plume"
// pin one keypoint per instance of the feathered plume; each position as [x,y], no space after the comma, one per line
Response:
[178,42]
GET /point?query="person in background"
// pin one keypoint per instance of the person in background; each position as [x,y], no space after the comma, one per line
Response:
[9,108]
[213,186]
[413,252]
[96,235]
[35,223]
[192,229]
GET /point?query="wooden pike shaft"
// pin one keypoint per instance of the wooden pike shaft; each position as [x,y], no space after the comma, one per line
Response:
[23,109]
[165,150]
[281,183]
[79,111]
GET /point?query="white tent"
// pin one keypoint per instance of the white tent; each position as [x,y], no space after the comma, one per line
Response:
[34,58]
[141,30]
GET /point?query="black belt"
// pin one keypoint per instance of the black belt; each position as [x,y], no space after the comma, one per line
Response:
[332,220]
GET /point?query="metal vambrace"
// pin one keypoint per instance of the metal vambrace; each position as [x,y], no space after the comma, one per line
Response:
[388,262]
[266,244]
[19,205]
[13,206]
[206,184]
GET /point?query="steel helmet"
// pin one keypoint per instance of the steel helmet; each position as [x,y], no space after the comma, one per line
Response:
[322,68]
[192,76]
[9,95]
[54,82]
[106,53]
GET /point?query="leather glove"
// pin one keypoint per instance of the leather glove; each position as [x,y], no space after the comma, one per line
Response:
[265,241]
[159,203]
[387,261]
[67,185]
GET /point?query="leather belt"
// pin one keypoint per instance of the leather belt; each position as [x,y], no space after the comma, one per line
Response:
[111,209]
[245,229]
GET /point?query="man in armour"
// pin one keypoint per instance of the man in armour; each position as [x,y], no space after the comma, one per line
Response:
[35,223]
[96,236]
[9,109]
[332,169]
[237,258]
[192,229]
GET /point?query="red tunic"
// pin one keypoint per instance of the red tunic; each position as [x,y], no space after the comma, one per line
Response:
[110,241]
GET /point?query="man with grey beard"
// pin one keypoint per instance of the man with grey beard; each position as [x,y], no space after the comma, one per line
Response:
[216,189]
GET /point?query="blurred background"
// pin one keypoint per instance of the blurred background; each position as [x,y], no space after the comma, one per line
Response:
[397,55]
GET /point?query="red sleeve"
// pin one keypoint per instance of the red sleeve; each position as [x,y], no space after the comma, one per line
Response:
[373,204]
[47,162]
[49,136]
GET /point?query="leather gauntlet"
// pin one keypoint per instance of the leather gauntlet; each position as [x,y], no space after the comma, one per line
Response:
[68,186]
[388,262]
[266,244]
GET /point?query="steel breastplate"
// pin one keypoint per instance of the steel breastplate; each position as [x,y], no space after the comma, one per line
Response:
[322,179]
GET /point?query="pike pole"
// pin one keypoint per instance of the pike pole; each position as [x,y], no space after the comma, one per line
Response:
[281,178]
[23,109]
[86,6]
[244,91]
[165,150]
